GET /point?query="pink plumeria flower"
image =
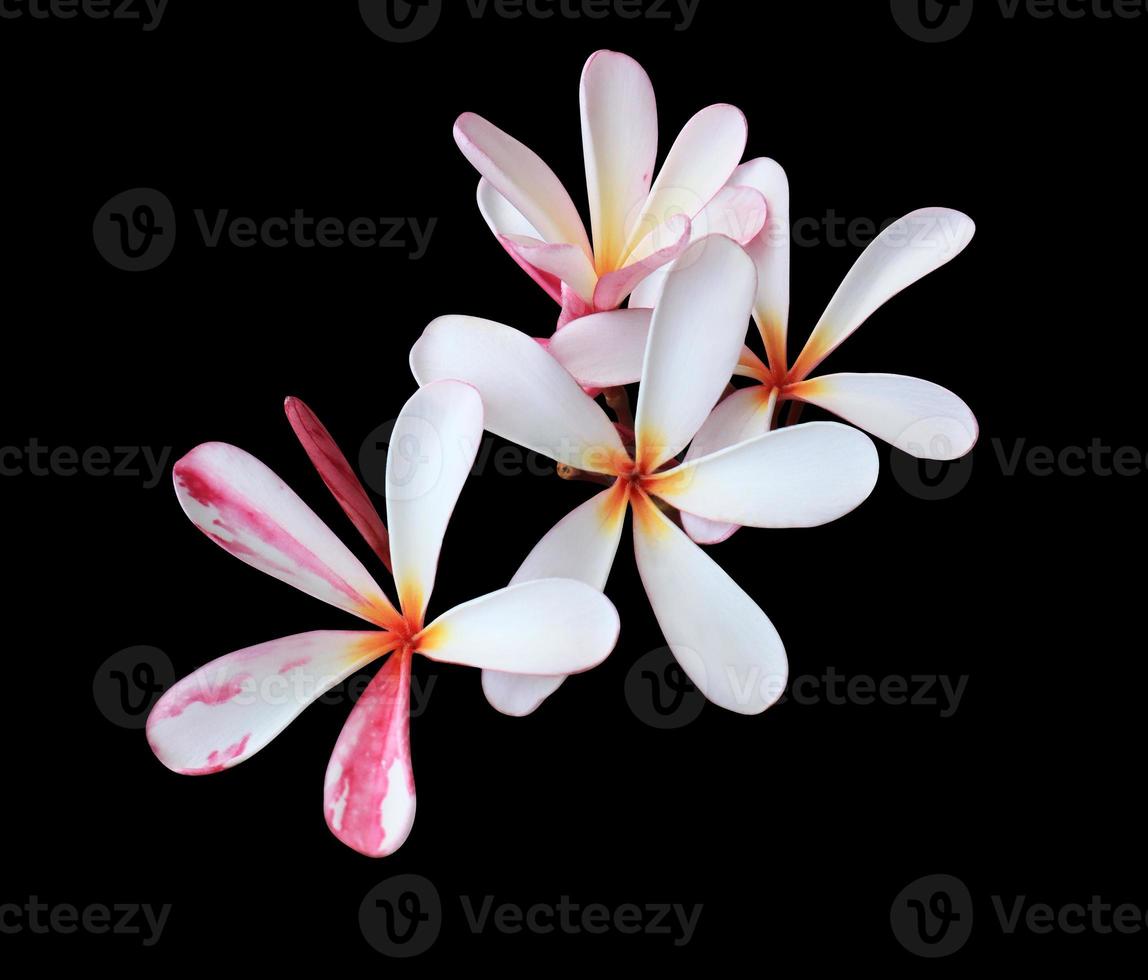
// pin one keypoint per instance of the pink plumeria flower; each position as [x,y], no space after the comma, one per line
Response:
[636,227]
[228,710]
[919,417]
[798,477]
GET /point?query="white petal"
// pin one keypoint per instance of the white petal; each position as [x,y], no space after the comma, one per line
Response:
[581,546]
[520,176]
[918,417]
[743,415]
[432,449]
[770,253]
[698,165]
[696,337]
[904,252]
[248,511]
[801,476]
[229,709]
[527,395]
[547,626]
[723,641]
[603,350]
[620,144]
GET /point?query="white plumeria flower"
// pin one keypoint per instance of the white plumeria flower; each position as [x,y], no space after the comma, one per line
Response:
[798,477]
[918,417]
[636,227]
[231,708]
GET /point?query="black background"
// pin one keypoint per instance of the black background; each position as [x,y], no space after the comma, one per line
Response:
[794,829]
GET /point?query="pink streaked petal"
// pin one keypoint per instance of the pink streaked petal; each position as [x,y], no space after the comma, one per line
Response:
[247,510]
[620,145]
[520,176]
[604,349]
[614,287]
[696,337]
[369,790]
[432,449]
[581,546]
[229,709]
[341,480]
[566,263]
[545,626]
[698,165]
[505,221]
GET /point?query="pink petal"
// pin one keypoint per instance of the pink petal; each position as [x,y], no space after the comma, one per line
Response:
[229,709]
[247,510]
[566,263]
[369,791]
[502,219]
[341,480]
[520,176]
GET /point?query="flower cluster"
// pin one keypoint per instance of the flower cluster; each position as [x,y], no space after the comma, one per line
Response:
[695,254]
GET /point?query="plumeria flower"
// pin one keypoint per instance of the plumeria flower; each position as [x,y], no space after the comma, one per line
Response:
[919,417]
[798,477]
[636,227]
[228,710]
